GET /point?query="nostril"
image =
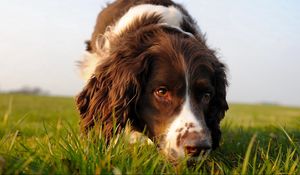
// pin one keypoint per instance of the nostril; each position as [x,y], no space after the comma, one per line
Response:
[196,147]
[192,150]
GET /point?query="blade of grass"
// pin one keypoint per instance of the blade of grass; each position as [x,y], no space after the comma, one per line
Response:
[277,160]
[19,122]
[247,155]
[13,141]
[7,113]
[291,140]
[293,169]
[254,162]
[289,156]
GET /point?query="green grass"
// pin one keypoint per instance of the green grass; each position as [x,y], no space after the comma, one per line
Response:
[40,135]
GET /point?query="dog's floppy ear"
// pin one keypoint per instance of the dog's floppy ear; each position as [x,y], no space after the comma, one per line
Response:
[112,92]
[218,105]
[106,98]
[221,84]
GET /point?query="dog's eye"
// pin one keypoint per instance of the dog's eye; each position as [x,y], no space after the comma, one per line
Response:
[161,92]
[206,98]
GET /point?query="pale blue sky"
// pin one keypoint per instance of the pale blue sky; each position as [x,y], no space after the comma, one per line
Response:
[40,42]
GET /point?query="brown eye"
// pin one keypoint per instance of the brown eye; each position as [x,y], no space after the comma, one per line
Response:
[206,98]
[161,92]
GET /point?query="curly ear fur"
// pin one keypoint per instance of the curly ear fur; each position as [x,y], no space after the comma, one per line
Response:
[115,85]
[218,105]
[106,97]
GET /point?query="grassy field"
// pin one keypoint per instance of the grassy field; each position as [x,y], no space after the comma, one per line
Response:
[40,135]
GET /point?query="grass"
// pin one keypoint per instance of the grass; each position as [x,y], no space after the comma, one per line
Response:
[40,135]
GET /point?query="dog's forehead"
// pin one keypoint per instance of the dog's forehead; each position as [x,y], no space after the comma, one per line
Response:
[168,71]
[199,68]
[178,72]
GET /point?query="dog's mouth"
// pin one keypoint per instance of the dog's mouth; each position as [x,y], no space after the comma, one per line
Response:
[195,160]
[189,160]
[177,155]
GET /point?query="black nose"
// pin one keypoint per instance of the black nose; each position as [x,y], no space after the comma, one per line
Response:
[195,147]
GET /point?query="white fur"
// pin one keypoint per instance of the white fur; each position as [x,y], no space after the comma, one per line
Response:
[88,65]
[139,137]
[170,15]
[178,28]
[185,117]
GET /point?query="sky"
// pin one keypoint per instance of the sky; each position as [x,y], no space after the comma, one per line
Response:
[40,42]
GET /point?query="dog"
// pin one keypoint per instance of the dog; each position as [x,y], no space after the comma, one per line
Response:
[148,63]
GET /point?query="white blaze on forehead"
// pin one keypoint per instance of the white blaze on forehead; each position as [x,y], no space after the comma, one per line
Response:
[170,15]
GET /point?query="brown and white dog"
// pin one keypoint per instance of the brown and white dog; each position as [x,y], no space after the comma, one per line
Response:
[148,63]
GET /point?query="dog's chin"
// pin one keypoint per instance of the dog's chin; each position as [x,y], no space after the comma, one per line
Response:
[175,158]
[196,160]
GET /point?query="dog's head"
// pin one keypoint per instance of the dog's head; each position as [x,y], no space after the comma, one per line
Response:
[162,80]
